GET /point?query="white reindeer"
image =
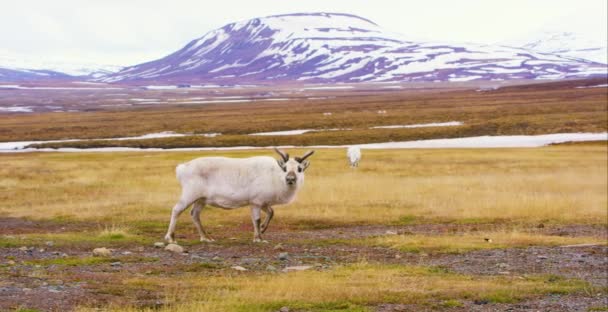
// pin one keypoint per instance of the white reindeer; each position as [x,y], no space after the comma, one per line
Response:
[230,183]
[353,153]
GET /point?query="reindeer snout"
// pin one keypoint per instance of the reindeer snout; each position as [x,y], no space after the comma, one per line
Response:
[291,178]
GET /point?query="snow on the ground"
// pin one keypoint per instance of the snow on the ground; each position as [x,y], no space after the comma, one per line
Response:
[328,88]
[493,141]
[11,146]
[16,109]
[433,124]
[298,131]
[287,132]
[507,141]
[596,86]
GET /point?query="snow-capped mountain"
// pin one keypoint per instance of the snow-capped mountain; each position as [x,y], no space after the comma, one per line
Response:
[566,44]
[323,47]
[18,63]
[8,74]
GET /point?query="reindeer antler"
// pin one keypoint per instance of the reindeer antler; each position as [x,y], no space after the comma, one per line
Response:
[284,155]
[301,159]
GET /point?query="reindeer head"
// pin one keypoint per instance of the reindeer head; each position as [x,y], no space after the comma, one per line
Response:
[293,168]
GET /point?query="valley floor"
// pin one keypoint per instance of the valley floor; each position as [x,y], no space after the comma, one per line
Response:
[409,230]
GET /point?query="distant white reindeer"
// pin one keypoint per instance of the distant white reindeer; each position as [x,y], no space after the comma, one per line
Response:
[231,183]
[353,153]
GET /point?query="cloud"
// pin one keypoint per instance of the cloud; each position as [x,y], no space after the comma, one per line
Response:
[128,32]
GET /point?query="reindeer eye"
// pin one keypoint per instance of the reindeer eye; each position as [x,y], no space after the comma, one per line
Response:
[299,169]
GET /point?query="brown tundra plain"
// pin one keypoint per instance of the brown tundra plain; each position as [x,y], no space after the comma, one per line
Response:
[501,229]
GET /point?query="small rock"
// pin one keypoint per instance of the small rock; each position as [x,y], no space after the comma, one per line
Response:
[284,309]
[26,289]
[63,254]
[41,250]
[271,268]
[115,264]
[297,268]
[250,260]
[217,259]
[283,256]
[480,302]
[239,268]
[489,240]
[278,247]
[542,257]
[49,243]
[101,252]
[175,248]
[502,265]
[389,232]
[232,238]
[23,248]
[159,244]
[10,262]
[126,253]
[397,256]
[504,272]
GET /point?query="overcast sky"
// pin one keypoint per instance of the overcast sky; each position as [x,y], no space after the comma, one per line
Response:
[126,32]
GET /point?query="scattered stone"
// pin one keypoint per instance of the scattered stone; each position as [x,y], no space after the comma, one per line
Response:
[115,264]
[239,268]
[63,254]
[502,265]
[101,252]
[250,260]
[397,256]
[10,262]
[159,244]
[504,272]
[542,257]
[126,253]
[389,232]
[271,268]
[26,289]
[23,248]
[297,268]
[217,259]
[232,238]
[49,243]
[284,309]
[41,250]
[175,248]
[283,256]
[489,240]
[278,246]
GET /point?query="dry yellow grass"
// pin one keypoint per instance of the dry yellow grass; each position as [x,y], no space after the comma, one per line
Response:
[561,184]
[564,184]
[453,243]
[346,288]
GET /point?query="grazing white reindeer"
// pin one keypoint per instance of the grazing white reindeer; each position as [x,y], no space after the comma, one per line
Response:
[231,183]
[353,153]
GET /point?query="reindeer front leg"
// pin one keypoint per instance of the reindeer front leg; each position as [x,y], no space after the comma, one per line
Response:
[255,218]
[269,213]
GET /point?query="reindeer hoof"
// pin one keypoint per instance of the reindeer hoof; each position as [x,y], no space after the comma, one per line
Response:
[259,240]
[207,240]
[169,239]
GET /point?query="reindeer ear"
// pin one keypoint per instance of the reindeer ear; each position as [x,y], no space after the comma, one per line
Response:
[305,164]
[281,164]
